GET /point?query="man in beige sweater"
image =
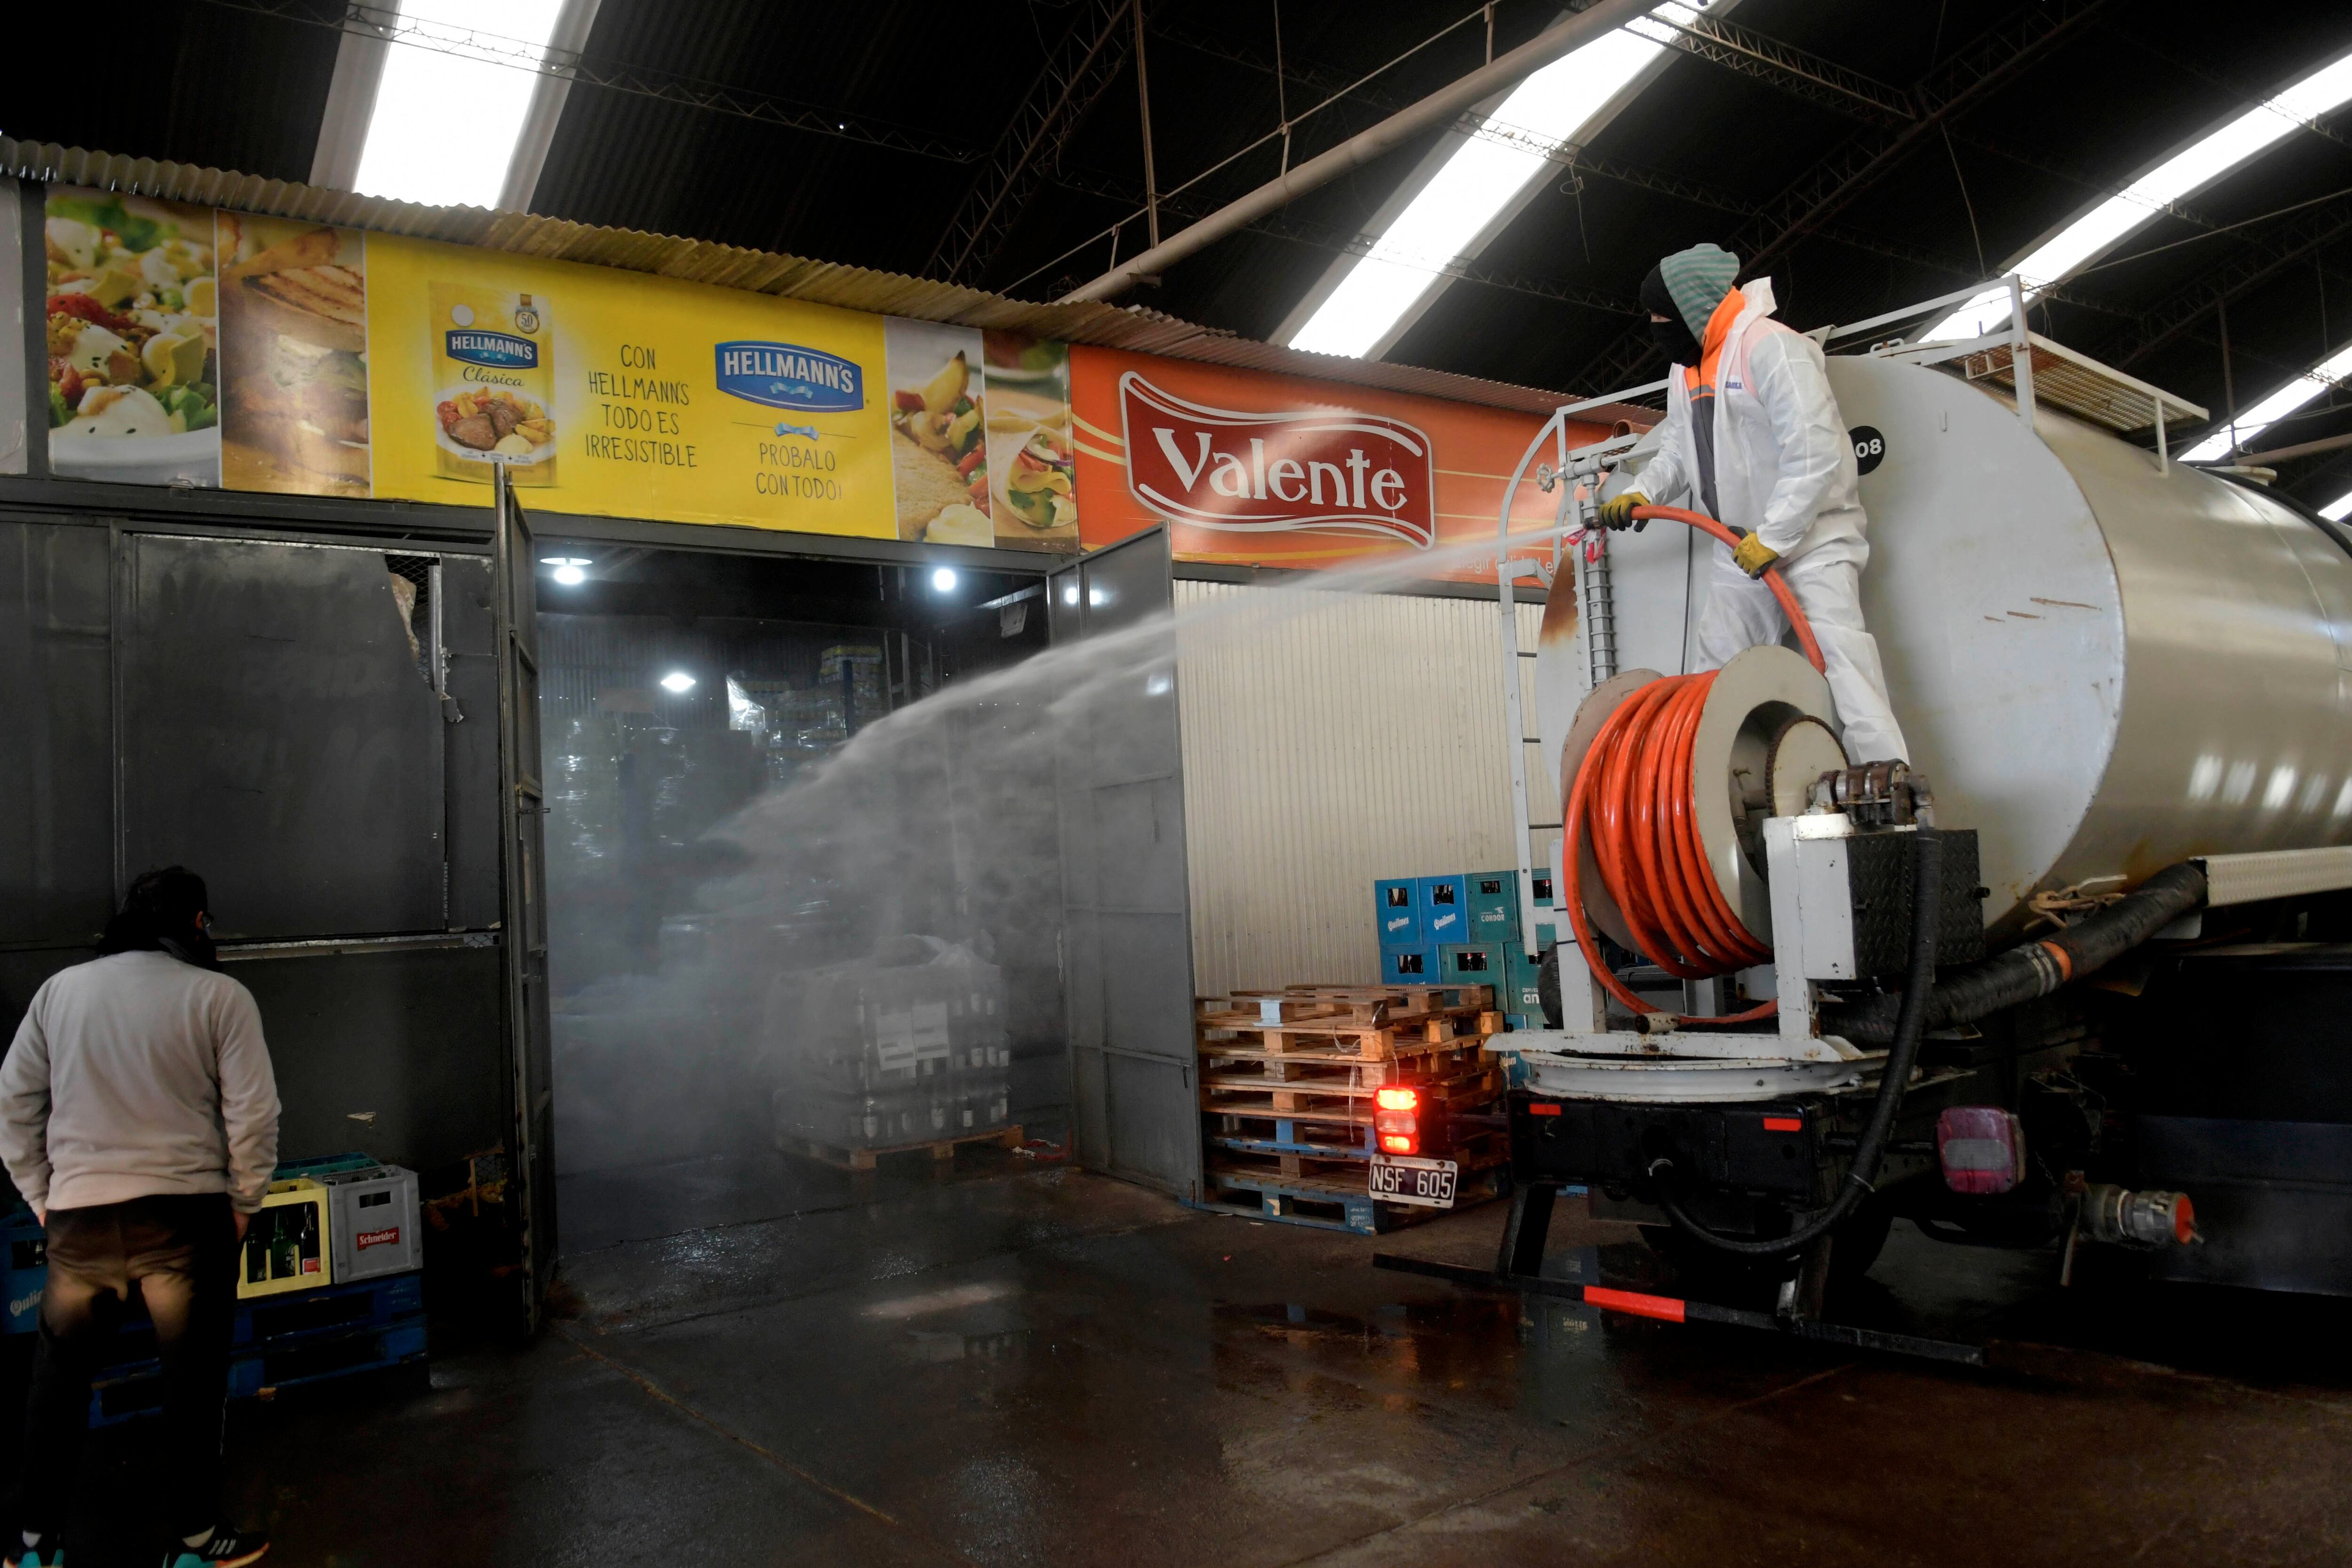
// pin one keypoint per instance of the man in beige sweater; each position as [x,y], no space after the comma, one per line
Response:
[139,1118]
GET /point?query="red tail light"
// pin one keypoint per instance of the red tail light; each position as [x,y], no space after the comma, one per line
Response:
[1981,1149]
[1397,1120]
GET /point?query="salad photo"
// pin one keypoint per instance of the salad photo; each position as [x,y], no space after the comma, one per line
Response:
[133,338]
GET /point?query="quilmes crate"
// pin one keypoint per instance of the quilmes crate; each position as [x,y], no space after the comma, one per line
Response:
[24,1268]
[1445,909]
[1396,904]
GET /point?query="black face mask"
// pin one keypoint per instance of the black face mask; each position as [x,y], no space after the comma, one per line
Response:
[1674,340]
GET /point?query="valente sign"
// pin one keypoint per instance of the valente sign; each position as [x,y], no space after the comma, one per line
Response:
[1314,470]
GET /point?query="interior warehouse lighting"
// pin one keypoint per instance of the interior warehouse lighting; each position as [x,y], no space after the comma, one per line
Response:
[678,681]
[943,581]
[2251,422]
[2199,164]
[567,568]
[1479,182]
[453,99]
[2339,508]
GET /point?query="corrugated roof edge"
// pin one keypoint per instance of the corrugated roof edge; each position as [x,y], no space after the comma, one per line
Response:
[1133,327]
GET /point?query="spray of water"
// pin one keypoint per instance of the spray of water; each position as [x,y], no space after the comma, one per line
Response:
[880,962]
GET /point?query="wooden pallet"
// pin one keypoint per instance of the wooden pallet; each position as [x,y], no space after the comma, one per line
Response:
[1335,1098]
[1335,1204]
[842,1158]
[1412,1063]
[1358,1004]
[1377,1041]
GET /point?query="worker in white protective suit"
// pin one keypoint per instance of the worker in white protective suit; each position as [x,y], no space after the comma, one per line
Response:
[1753,439]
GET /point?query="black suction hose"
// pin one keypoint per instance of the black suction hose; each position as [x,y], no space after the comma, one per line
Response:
[1910,1028]
[2038,968]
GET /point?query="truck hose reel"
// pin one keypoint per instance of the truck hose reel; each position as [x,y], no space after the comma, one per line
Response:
[1631,800]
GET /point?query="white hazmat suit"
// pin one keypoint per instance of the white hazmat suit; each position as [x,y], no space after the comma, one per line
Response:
[1784,470]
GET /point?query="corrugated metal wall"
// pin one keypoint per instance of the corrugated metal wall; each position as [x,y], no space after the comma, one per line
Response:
[1327,746]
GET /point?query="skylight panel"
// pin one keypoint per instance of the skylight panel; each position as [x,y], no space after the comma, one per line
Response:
[457,83]
[1477,184]
[2193,167]
[2253,422]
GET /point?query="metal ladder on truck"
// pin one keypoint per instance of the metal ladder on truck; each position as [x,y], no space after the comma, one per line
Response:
[1571,477]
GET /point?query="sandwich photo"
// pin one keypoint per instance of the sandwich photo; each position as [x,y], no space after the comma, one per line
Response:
[294,318]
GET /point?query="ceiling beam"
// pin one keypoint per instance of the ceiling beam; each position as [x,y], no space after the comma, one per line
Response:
[380,21]
[2305,235]
[1092,51]
[1990,61]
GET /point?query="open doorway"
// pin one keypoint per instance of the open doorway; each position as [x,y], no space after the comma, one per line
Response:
[762,886]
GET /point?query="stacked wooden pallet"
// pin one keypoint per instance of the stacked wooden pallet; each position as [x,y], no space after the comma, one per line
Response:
[1288,1081]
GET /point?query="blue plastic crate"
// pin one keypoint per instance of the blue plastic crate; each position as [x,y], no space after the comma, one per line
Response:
[1411,966]
[1396,912]
[24,1270]
[1445,919]
[125,1393]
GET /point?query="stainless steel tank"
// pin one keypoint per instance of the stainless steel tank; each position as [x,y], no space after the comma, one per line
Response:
[2102,668]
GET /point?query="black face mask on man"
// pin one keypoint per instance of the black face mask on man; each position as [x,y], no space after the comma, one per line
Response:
[1672,335]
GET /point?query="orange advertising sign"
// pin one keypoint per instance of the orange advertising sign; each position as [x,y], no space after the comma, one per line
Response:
[1252,469]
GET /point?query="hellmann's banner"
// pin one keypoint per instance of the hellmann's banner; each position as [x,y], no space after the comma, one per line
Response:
[191,346]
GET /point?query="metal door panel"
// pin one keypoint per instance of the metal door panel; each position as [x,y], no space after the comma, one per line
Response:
[1128,952]
[279,738]
[56,733]
[1154,1112]
[523,891]
[1150,1010]
[1145,819]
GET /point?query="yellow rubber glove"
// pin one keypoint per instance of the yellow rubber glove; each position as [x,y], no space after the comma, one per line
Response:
[1753,555]
[1617,512]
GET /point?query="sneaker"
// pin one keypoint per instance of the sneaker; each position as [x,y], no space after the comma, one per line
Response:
[49,1555]
[228,1548]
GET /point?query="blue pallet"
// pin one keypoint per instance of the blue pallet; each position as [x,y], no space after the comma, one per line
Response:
[1244,1145]
[125,1393]
[1327,1207]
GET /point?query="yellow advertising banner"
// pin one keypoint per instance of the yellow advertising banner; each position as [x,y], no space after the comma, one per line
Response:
[622,394]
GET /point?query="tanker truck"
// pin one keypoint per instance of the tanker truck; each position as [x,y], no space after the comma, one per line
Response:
[2068,977]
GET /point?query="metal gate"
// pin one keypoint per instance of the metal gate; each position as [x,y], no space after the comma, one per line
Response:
[1127,937]
[522,886]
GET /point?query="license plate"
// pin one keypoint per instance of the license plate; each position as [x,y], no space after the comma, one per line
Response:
[1399,1179]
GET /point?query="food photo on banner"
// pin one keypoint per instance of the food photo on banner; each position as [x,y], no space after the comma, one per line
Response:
[132,339]
[293,350]
[938,436]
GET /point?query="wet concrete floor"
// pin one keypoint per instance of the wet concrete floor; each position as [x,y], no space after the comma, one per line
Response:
[1049,1367]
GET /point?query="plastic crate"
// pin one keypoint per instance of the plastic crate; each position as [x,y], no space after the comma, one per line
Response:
[1396,912]
[1444,908]
[25,1258]
[288,1246]
[1410,966]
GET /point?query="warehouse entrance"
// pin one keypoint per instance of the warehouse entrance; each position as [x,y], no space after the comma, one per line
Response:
[792,920]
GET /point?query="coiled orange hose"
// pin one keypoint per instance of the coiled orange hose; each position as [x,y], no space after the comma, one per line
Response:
[1632,797]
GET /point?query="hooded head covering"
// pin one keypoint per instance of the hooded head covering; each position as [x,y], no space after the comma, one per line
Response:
[1696,281]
